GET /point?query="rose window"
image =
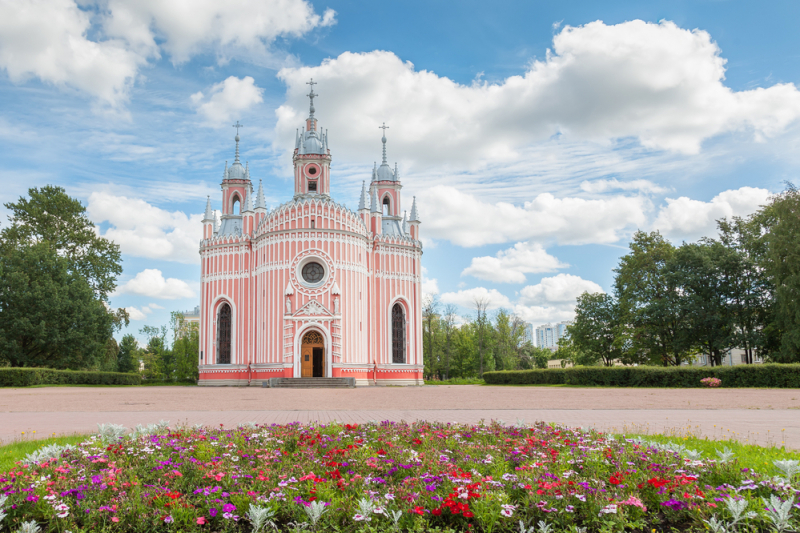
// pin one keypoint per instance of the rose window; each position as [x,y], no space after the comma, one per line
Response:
[313,273]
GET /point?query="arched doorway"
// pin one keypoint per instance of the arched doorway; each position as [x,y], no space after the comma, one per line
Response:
[224,335]
[398,334]
[312,355]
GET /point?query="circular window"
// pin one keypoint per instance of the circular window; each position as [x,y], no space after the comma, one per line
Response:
[313,273]
[312,170]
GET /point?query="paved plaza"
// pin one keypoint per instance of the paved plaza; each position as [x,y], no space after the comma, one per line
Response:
[764,416]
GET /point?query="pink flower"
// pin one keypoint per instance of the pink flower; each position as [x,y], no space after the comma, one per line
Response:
[201,520]
[114,519]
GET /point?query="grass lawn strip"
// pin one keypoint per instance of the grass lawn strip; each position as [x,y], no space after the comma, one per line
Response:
[397,477]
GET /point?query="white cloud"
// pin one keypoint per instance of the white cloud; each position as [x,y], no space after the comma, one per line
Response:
[467,221]
[186,29]
[511,265]
[135,314]
[559,289]
[144,230]
[154,306]
[613,184]
[684,218]
[553,298]
[228,98]
[151,282]
[655,82]
[467,297]
[47,39]
[430,286]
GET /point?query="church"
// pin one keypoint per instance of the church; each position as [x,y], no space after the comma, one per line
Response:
[311,288]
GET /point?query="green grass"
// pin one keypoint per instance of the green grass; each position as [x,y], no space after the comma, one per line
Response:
[759,458]
[18,449]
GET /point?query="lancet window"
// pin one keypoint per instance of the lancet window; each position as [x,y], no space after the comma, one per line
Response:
[398,334]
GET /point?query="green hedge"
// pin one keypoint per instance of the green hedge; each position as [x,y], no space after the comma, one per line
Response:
[25,377]
[771,375]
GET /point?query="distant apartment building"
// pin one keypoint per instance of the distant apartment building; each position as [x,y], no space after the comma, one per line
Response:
[192,316]
[527,334]
[548,335]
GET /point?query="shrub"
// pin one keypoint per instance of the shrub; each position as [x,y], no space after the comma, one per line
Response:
[25,377]
[769,375]
[711,382]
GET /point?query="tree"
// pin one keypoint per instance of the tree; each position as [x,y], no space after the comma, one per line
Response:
[594,332]
[448,320]
[50,216]
[128,358]
[430,305]
[481,304]
[779,225]
[156,357]
[49,314]
[185,348]
[648,302]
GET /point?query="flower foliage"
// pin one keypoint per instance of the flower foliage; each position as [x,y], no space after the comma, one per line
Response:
[711,382]
[387,477]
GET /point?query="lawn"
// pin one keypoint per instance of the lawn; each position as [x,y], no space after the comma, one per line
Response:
[397,477]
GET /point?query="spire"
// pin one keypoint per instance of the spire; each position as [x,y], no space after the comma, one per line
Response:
[396,172]
[362,203]
[405,223]
[236,160]
[248,202]
[247,170]
[383,140]
[414,214]
[311,96]
[209,215]
[216,222]
[225,172]
[261,203]
[374,171]
[376,208]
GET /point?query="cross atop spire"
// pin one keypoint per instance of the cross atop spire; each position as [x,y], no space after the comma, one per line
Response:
[237,126]
[384,127]
[311,95]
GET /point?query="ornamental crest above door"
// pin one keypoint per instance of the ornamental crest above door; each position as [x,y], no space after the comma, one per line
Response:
[313,308]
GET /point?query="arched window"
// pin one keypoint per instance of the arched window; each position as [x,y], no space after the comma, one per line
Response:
[398,334]
[387,210]
[236,206]
[224,335]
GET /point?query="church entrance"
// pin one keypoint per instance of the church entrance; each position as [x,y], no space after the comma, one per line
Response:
[312,354]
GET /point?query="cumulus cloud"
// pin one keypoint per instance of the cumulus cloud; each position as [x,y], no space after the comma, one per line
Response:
[511,265]
[658,83]
[430,286]
[553,298]
[53,39]
[144,230]
[135,314]
[189,28]
[47,39]
[228,98]
[613,184]
[467,221]
[684,218]
[466,298]
[151,282]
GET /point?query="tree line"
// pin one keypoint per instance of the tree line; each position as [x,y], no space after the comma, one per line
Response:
[466,347]
[170,354]
[672,304]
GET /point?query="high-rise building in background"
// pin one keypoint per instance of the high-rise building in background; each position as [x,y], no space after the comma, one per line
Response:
[548,335]
[527,334]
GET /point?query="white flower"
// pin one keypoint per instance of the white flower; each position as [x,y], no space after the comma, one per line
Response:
[608,509]
[61,507]
[507,512]
[361,518]
[389,496]
[235,458]
[380,510]
[63,515]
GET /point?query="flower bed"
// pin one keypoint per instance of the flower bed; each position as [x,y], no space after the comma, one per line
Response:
[387,477]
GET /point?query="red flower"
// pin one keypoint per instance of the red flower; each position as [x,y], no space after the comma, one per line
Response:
[381,452]
[417,510]
[468,514]
[436,512]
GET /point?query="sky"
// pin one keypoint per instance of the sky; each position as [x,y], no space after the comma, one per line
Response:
[536,136]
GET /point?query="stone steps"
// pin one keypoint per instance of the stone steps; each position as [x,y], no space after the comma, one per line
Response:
[310,383]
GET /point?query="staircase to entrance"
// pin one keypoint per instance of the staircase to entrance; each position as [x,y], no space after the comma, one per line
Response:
[310,383]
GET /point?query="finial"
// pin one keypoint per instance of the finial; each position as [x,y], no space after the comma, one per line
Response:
[237,126]
[384,127]
[311,95]
[362,203]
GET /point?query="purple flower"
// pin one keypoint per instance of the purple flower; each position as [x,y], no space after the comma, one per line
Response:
[97,479]
[228,508]
[212,512]
[168,520]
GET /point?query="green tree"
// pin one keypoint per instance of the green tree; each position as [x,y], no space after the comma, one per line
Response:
[185,348]
[49,314]
[594,332]
[649,309]
[128,358]
[51,217]
[157,357]
[779,225]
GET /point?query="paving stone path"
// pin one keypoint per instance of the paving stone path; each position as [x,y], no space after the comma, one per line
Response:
[764,416]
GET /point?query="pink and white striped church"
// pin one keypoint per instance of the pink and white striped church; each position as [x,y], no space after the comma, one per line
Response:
[311,288]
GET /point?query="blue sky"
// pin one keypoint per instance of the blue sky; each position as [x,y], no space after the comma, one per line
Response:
[537,136]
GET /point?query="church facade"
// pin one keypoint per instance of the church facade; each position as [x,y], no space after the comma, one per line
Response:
[311,288]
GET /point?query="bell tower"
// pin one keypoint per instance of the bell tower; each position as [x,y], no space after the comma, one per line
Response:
[312,158]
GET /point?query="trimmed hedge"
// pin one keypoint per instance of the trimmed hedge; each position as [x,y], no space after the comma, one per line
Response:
[769,375]
[25,377]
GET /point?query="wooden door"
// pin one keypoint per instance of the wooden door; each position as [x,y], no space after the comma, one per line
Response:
[307,361]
